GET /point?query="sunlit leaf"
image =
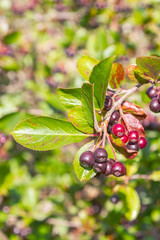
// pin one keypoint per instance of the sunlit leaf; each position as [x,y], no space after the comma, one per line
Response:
[8,63]
[85,65]
[130,107]
[70,97]
[44,133]
[100,77]
[78,119]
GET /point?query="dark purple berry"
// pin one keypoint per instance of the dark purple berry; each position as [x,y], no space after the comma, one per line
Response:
[109,129]
[133,136]
[108,103]
[142,142]
[87,159]
[114,199]
[133,146]
[109,165]
[100,155]
[124,138]
[118,169]
[151,92]
[114,117]
[99,167]
[118,130]
[154,105]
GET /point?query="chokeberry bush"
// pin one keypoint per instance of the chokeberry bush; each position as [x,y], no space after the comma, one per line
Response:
[100,112]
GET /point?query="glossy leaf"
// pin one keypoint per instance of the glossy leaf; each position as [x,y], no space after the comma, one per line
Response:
[44,133]
[77,118]
[121,147]
[130,107]
[11,37]
[85,65]
[8,63]
[150,66]
[100,77]
[82,173]
[116,76]
[131,202]
[88,105]
[70,97]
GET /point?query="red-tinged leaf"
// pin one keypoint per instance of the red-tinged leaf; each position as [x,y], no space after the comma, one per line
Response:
[130,72]
[116,76]
[134,109]
[121,147]
[150,66]
[135,75]
[134,124]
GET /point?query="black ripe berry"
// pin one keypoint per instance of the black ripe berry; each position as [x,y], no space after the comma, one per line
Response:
[118,130]
[99,167]
[151,92]
[109,166]
[114,117]
[87,159]
[142,142]
[154,105]
[109,128]
[133,136]
[100,155]
[133,146]
[108,103]
[118,169]
[114,199]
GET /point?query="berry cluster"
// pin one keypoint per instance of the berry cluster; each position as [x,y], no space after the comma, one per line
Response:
[134,142]
[101,163]
[153,94]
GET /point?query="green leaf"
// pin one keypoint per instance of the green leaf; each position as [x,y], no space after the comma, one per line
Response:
[11,37]
[85,65]
[76,116]
[8,63]
[44,133]
[70,97]
[150,66]
[100,77]
[83,174]
[117,75]
[88,105]
[131,202]
[136,75]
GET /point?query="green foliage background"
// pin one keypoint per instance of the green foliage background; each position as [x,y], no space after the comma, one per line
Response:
[40,44]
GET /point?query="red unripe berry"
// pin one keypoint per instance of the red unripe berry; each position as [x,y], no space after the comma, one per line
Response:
[133,136]
[124,138]
[100,155]
[87,159]
[118,130]
[142,142]
[118,169]
[151,92]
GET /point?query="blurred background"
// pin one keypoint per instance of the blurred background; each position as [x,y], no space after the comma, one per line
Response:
[40,196]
